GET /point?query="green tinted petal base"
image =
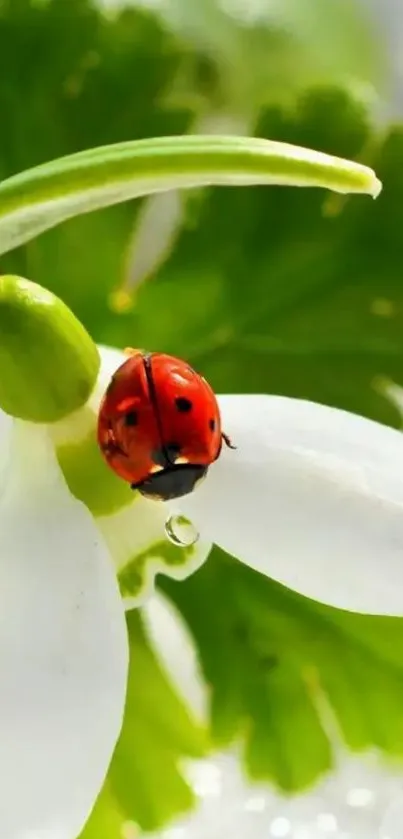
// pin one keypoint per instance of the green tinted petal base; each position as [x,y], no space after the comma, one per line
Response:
[89,478]
[136,539]
[137,578]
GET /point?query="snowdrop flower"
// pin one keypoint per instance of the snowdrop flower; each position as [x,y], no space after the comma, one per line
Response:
[312,497]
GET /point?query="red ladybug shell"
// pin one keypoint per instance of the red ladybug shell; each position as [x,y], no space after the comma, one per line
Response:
[159,425]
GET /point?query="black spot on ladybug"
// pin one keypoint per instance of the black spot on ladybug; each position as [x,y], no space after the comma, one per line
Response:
[131,418]
[172,450]
[183,404]
[212,425]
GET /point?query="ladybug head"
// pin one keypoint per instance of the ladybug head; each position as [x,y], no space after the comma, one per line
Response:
[172,481]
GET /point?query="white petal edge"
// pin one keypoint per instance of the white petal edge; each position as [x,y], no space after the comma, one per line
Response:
[312,497]
[176,651]
[63,650]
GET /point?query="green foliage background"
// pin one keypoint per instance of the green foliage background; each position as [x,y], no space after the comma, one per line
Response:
[272,290]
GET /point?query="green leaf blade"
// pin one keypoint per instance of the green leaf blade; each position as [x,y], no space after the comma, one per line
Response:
[284,719]
[47,195]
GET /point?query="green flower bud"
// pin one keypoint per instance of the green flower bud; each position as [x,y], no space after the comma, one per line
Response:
[48,362]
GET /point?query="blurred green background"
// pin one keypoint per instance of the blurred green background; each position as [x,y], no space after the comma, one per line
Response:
[274,289]
[287,291]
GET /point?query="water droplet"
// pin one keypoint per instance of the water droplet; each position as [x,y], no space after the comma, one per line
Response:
[180,531]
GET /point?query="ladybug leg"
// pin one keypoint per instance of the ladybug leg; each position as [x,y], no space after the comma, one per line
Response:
[227,441]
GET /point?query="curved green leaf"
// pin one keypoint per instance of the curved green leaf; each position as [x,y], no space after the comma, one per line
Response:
[41,198]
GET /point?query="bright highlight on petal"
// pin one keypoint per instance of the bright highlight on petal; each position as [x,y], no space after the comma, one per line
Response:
[312,497]
[63,650]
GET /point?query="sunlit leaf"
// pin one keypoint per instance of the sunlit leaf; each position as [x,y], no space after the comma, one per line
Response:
[272,656]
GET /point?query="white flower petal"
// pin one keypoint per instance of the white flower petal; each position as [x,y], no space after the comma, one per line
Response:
[63,650]
[111,359]
[312,497]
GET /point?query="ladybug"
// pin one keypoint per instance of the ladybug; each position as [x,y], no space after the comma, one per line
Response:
[159,425]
